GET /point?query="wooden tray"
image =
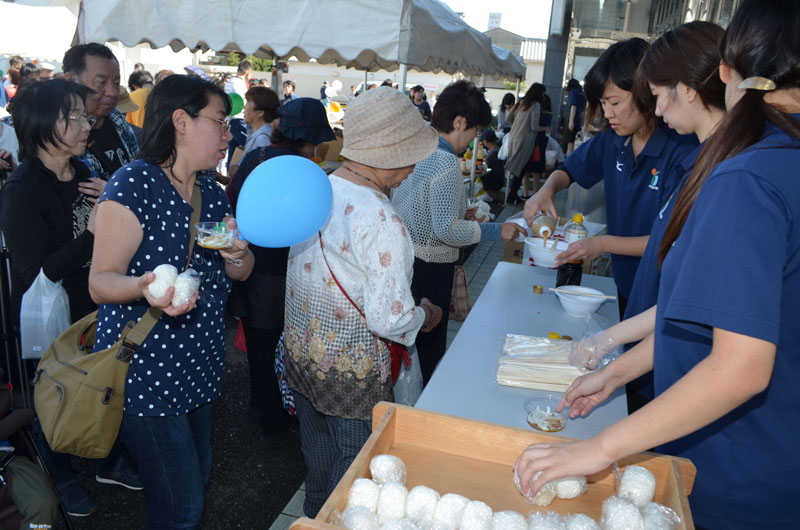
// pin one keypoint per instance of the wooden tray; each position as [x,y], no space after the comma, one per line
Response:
[475,459]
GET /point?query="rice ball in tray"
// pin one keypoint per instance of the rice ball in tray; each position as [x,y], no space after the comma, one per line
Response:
[659,517]
[420,506]
[477,516]
[364,492]
[545,495]
[545,521]
[399,524]
[392,501]
[387,468]
[638,484]
[166,275]
[620,513]
[186,284]
[580,521]
[360,518]
[449,511]
[509,520]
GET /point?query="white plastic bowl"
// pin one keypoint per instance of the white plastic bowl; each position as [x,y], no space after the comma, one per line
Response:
[542,256]
[576,305]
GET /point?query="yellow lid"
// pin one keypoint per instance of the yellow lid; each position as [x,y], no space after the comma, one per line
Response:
[553,335]
[577,218]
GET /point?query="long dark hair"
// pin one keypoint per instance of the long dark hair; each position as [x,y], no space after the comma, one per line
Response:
[534,94]
[763,39]
[190,93]
[618,65]
[38,109]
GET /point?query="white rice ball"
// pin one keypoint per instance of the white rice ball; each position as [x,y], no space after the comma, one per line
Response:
[545,495]
[387,468]
[580,521]
[392,501]
[659,517]
[509,520]
[449,511]
[570,487]
[619,513]
[420,506]
[545,521]
[360,518]
[165,278]
[477,516]
[186,284]
[364,492]
[399,524]
[638,484]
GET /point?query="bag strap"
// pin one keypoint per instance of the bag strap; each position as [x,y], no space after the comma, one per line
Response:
[142,329]
[339,285]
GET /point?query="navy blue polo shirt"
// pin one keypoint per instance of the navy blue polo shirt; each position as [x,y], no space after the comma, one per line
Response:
[577,98]
[635,188]
[644,293]
[736,266]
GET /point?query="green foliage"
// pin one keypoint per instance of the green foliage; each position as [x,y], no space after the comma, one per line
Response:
[512,86]
[233,59]
[260,65]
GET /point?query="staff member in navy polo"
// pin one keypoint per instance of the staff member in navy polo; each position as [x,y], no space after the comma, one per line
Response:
[637,160]
[724,352]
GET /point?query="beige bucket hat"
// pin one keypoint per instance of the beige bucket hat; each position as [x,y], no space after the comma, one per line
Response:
[383,129]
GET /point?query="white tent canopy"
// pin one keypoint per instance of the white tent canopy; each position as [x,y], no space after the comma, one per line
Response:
[364,34]
[37,32]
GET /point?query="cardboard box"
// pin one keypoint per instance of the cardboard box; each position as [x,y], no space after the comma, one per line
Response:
[330,150]
[512,251]
[475,459]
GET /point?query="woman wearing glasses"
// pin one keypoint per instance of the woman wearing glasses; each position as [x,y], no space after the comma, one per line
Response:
[48,222]
[143,221]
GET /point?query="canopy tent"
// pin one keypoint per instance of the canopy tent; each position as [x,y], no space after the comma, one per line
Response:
[37,32]
[363,34]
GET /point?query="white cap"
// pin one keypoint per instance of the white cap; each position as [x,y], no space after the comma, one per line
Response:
[46,66]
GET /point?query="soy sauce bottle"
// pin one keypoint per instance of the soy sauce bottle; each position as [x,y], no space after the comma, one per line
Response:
[570,273]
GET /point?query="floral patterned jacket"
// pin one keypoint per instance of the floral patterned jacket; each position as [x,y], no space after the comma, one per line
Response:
[334,355]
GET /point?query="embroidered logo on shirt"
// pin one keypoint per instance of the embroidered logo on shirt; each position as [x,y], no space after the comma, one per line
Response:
[654,181]
[620,165]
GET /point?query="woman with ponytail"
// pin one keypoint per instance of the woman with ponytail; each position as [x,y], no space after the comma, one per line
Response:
[724,350]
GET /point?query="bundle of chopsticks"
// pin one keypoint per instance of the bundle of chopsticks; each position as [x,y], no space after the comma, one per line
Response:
[536,362]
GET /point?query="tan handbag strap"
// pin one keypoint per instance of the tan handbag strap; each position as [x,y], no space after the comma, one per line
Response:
[142,329]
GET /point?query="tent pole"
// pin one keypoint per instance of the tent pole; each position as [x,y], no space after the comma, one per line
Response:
[518,79]
[403,77]
[366,72]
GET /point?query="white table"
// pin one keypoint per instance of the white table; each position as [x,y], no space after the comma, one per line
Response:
[464,382]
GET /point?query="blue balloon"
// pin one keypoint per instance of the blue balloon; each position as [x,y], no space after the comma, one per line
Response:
[285,200]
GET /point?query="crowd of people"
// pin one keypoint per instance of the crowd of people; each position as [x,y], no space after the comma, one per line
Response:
[698,158]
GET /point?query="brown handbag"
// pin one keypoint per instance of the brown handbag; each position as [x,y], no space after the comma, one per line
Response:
[459,295]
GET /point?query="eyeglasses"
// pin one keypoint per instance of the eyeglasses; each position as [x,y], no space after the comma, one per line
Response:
[78,118]
[225,125]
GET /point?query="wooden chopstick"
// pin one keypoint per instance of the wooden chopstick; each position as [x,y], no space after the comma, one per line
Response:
[576,293]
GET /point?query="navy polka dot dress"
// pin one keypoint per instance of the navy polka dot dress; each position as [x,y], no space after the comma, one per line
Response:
[179,366]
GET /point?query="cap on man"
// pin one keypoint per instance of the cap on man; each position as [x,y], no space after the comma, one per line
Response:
[112,143]
[46,70]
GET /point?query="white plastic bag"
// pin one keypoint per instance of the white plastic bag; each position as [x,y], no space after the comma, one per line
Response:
[408,386]
[502,154]
[44,315]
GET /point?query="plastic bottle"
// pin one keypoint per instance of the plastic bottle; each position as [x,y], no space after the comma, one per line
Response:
[468,155]
[570,273]
[543,225]
[480,152]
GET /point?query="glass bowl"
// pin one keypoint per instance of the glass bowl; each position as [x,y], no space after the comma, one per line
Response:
[214,235]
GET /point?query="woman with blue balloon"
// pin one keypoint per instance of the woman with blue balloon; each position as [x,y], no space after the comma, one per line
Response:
[282,199]
[349,306]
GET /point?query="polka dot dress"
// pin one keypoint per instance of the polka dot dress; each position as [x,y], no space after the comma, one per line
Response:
[179,366]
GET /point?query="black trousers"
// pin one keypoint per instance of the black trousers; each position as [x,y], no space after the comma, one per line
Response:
[265,395]
[433,281]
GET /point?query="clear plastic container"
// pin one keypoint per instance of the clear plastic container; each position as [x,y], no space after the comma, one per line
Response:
[541,413]
[214,235]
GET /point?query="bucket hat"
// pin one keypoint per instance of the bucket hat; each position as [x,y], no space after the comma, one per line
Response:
[125,104]
[383,129]
[305,119]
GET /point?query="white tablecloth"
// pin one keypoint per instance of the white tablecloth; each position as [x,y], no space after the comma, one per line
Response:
[464,382]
